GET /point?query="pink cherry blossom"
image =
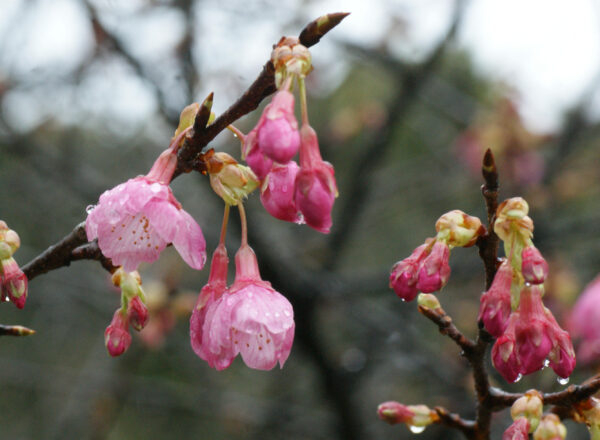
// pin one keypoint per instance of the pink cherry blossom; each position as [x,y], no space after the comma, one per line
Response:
[254,157]
[14,282]
[434,271]
[116,336]
[519,430]
[584,322]
[316,188]
[251,318]
[403,278]
[494,307]
[278,136]
[136,220]
[277,192]
[504,353]
[202,316]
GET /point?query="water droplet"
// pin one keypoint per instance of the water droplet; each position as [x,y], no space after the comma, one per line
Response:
[546,363]
[562,380]
[90,208]
[519,377]
[416,429]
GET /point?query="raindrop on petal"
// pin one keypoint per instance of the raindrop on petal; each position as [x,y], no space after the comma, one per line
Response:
[562,380]
[416,429]
[519,377]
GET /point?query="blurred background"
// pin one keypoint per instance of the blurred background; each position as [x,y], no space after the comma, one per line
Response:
[405,95]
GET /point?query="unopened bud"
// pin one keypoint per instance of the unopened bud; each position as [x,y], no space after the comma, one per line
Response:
[429,301]
[187,118]
[530,406]
[434,271]
[230,180]
[116,336]
[459,229]
[14,282]
[9,243]
[512,215]
[290,57]
[423,416]
[534,267]
[550,428]
[137,313]
[519,430]
[394,412]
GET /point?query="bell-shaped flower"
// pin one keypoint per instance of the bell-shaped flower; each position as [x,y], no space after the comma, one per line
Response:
[278,136]
[435,270]
[534,267]
[14,282]
[494,308]
[135,221]
[277,192]
[220,357]
[137,313]
[316,188]
[251,318]
[403,277]
[116,336]
[252,154]
[504,352]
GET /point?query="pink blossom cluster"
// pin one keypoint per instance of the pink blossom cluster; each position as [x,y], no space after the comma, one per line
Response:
[249,317]
[300,194]
[585,322]
[12,278]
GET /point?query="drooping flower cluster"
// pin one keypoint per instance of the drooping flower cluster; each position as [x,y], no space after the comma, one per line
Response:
[427,269]
[133,311]
[249,317]
[135,221]
[14,281]
[300,194]
[529,337]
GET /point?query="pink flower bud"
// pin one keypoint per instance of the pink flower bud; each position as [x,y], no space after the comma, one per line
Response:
[137,313]
[316,188]
[116,336]
[532,331]
[494,308]
[278,136]
[14,282]
[434,271]
[562,355]
[519,430]
[394,412]
[504,353]
[403,278]
[534,267]
[277,192]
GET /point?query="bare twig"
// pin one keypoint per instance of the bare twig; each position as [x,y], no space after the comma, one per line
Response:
[467,427]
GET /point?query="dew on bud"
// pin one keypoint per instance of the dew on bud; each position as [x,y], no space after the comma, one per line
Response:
[416,429]
[519,377]
[562,380]
[546,363]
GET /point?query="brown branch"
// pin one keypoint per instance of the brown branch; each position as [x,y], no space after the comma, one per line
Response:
[444,322]
[467,427]
[262,87]
[15,330]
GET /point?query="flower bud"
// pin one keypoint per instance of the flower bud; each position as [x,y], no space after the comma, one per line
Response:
[494,308]
[254,157]
[504,353]
[277,192]
[534,267]
[116,336]
[429,301]
[434,271]
[423,416]
[530,407]
[230,180]
[459,229]
[278,136]
[511,215]
[14,282]
[403,277]
[137,313]
[9,242]
[394,412]
[550,428]
[519,430]
[290,57]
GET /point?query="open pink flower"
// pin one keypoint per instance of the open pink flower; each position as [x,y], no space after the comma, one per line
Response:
[136,220]
[251,318]
[201,321]
[277,192]
[316,188]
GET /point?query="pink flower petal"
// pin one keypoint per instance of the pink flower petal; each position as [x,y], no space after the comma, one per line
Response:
[189,241]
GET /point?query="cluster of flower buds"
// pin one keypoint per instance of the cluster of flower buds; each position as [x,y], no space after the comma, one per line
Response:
[135,221]
[585,323]
[416,417]
[133,311]
[528,419]
[529,338]
[299,194]
[427,269]
[249,317]
[14,281]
